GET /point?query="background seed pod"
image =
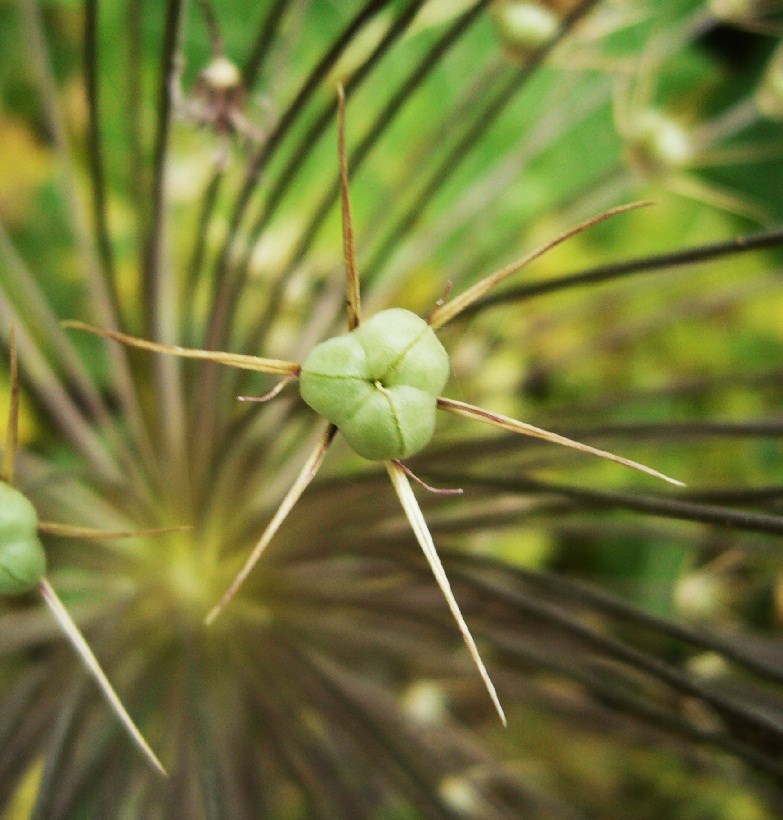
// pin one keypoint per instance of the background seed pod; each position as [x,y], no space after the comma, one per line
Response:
[22,558]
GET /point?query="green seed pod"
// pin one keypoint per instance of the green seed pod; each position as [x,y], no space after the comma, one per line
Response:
[657,143]
[524,25]
[22,557]
[379,384]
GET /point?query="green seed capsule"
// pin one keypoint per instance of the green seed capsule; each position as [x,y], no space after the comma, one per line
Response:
[379,384]
[524,26]
[22,557]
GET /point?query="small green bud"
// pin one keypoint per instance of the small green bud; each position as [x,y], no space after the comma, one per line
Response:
[379,384]
[658,143]
[22,556]
[524,25]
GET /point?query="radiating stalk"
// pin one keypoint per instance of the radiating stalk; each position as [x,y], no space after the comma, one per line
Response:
[12,425]
[383,121]
[647,503]
[213,28]
[198,255]
[28,294]
[771,238]
[223,277]
[159,291]
[413,512]
[94,274]
[95,153]
[454,158]
[708,193]
[306,475]
[136,173]
[263,41]
[349,246]
[74,635]
[56,399]
[198,689]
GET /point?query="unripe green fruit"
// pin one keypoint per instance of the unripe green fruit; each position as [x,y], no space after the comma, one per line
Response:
[657,143]
[22,557]
[525,26]
[379,384]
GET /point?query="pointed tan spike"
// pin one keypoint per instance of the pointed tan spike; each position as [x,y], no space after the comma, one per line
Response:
[352,298]
[306,475]
[74,635]
[413,512]
[459,408]
[67,531]
[445,313]
[240,360]
[12,426]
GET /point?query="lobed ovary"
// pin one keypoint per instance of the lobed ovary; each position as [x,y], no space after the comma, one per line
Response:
[379,384]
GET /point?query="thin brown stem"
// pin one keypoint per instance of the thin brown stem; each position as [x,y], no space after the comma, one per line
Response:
[56,400]
[261,48]
[213,28]
[159,290]
[352,297]
[12,426]
[95,152]
[772,238]
[95,275]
